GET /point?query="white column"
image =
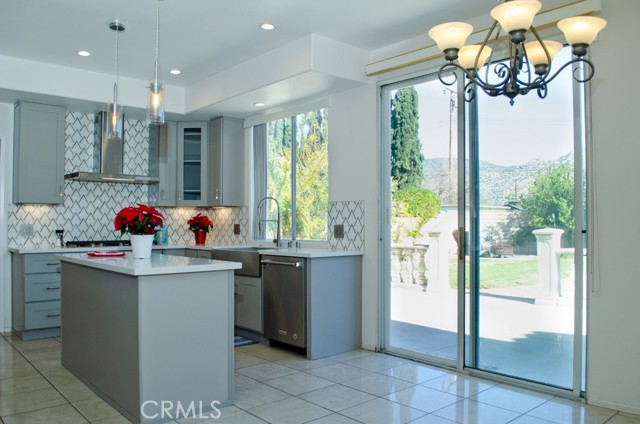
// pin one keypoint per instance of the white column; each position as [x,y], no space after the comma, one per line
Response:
[548,244]
[438,263]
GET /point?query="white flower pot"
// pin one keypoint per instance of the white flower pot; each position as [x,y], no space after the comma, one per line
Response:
[141,245]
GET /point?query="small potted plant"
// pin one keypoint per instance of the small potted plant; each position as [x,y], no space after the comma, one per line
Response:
[142,222]
[200,225]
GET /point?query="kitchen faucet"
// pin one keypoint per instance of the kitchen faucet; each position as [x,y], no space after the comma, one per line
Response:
[260,220]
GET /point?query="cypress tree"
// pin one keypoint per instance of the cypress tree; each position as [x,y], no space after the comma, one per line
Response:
[407,161]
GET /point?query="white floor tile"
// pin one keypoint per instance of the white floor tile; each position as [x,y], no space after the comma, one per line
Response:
[423,398]
[511,398]
[414,373]
[565,411]
[458,385]
[382,411]
[378,384]
[255,394]
[337,397]
[339,373]
[289,411]
[622,418]
[297,384]
[266,371]
[469,411]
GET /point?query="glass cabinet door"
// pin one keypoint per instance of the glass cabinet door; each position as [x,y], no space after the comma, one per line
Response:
[192,145]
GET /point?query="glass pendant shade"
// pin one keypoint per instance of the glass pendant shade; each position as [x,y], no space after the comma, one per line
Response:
[516,14]
[115,123]
[155,109]
[467,56]
[451,35]
[536,53]
[581,29]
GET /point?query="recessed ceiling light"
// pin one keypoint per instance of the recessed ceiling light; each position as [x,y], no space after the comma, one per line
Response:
[259,104]
[268,26]
[83,53]
[175,72]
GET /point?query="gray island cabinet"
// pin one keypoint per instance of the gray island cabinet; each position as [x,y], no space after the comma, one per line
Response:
[140,332]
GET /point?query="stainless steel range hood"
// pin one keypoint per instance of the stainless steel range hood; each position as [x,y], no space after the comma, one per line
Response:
[108,159]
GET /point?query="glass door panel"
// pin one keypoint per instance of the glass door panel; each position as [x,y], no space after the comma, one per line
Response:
[524,241]
[422,290]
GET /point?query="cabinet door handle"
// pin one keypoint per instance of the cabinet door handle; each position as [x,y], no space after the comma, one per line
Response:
[60,191]
[53,288]
[218,193]
[53,315]
[53,263]
[162,194]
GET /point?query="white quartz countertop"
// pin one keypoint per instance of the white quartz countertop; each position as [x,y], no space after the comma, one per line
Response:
[283,251]
[156,265]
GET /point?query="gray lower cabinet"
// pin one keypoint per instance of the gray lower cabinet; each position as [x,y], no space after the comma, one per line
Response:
[35,295]
[175,252]
[248,303]
[330,301]
[38,153]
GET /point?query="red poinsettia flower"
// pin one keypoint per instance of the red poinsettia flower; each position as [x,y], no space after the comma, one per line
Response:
[142,219]
[200,222]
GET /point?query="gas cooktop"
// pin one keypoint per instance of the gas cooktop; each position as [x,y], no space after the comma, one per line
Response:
[97,243]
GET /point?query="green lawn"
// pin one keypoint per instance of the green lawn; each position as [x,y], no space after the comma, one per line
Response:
[506,272]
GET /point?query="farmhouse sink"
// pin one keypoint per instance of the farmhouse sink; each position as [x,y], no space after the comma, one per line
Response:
[247,255]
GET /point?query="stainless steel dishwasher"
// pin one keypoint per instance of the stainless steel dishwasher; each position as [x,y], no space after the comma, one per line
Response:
[285,310]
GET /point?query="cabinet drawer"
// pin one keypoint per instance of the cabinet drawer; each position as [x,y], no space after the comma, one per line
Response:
[39,287]
[42,315]
[41,263]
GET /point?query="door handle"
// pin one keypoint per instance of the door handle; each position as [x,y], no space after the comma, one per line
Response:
[53,288]
[272,262]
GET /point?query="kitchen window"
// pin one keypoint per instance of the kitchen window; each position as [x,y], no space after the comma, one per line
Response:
[292,166]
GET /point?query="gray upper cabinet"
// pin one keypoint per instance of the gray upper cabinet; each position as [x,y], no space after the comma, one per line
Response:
[192,167]
[38,167]
[163,145]
[226,162]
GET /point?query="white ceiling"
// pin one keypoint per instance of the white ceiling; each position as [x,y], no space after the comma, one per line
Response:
[204,37]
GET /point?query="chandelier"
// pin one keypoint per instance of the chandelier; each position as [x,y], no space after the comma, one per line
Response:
[528,66]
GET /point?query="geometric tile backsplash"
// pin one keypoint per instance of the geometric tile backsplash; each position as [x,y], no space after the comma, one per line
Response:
[89,207]
[350,214]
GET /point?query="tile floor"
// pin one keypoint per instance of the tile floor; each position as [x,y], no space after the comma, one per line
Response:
[277,386]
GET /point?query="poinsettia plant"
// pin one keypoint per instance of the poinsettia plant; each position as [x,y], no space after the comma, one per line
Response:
[142,219]
[200,222]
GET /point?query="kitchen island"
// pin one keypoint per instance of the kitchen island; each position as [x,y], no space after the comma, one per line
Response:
[152,337]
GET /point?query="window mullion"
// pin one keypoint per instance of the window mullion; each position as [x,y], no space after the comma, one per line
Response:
[294,162]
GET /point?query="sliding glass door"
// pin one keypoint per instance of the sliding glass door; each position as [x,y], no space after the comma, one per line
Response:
[484,251]
[422,193]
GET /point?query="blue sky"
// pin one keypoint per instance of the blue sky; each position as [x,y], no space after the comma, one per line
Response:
[533,128]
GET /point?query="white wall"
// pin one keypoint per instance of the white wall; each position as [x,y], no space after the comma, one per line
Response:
[354,175]
[613,343]
[6,169]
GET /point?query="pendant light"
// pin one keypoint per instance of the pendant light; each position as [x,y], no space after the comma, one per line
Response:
[115,124]
[155,109]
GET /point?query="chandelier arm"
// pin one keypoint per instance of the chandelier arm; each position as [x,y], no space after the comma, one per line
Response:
[493,49]
[589,70]
[484,44]
[546,51]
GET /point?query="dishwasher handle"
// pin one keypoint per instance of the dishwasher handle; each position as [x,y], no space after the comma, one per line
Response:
[297,264]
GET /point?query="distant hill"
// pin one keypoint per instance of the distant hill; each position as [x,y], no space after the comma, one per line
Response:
[498,184]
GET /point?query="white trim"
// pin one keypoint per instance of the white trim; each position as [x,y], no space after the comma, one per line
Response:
[6,171]
[614,405]
[431,52]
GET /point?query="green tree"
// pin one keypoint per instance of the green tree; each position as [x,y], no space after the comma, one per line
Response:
[417,203]
[549,204]
[407,161]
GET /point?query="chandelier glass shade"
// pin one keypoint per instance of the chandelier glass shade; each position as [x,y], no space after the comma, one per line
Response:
[155,105]
[115,122]
[528,65]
